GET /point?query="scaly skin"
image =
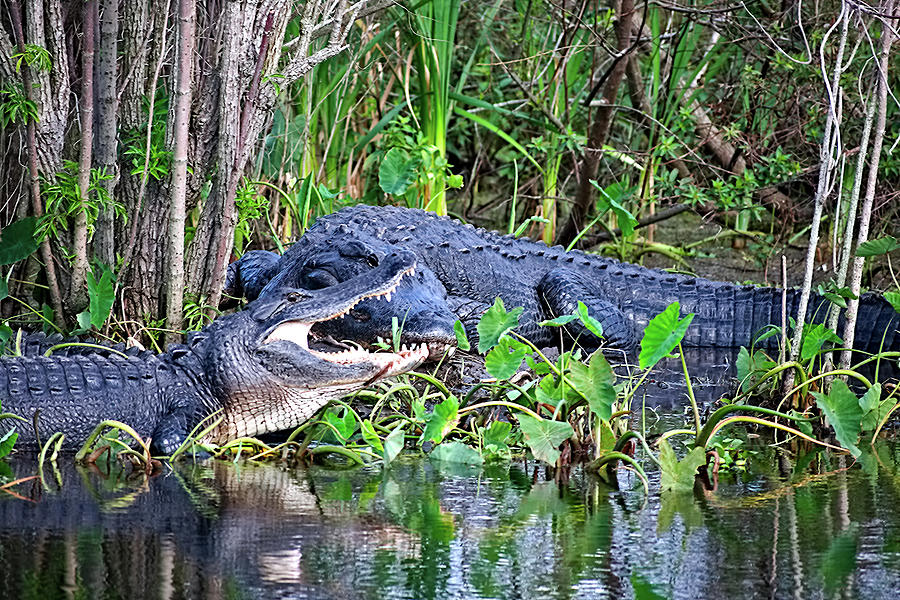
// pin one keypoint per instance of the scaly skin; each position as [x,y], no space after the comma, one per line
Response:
[254,369]
[473,266]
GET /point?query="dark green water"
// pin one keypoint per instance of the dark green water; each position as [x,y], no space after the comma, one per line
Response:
[422,530]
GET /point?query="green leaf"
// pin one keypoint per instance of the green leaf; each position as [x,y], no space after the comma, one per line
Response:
[679,475]
[543,436]
[504,359]
[457,452]
[494,323]
[371,437]
[7,442]
[814,336]
[592,324]
[344,425]
[662,334]
[841,408]
[558,321]
[102,295]
[595,381]
[871,398]
[393,445]
[84,321]
[397,171]
[893,299]
[4,289]
[442,420]
[606,201]
[493,438]
[462,342]
[17,241]
[878,247]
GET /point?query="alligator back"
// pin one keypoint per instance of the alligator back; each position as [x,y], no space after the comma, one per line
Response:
[480,264]
[75,393]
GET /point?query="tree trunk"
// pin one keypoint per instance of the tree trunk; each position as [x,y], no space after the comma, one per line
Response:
[77,297]
[887,39]
[106,149]
[180,121]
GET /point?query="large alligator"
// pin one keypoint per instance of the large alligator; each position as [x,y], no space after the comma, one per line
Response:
[462,269]
[257,370]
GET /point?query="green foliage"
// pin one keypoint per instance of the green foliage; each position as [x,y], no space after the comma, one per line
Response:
[842,408]
[441,421]
[149,157]
[462,342]
[7,441]
[18,240]
[250,206]
[34,56]
[457,452]
[495,323]
[65,200]
[543,436]
[662,334]
[102,295]
[503,360]
[678,475]
[882,245]
[15,107]
[595,381]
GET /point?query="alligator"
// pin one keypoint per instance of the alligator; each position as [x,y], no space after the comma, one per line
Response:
[256,371]
[462,269]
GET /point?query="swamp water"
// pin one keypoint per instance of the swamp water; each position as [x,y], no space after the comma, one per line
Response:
[809,528]
[794,523]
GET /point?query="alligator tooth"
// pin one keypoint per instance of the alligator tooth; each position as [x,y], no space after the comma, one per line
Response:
[387,296]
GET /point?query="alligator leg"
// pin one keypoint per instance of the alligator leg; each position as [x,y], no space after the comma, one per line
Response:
[561,289]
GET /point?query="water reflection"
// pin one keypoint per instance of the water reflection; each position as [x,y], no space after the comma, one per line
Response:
[421,530]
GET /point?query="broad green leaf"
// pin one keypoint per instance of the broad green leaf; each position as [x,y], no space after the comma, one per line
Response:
[878,247]
[4,288]
[871,398]
[549,391]
[595,381]
[345,425]
[7,442]
[662,334]
[841,408]
[397,171]
[495,322]
[456,452]
[84,321]
[558,321]
[814,336]
[544,436]
[393,445]
[893,299]
[371,437]
[18,241]
[592,324]
[462,342]
[496,434]
[441,421]
[102,295]
[504,359]
[5,333]
[607,437]
[678,475]
[606,200]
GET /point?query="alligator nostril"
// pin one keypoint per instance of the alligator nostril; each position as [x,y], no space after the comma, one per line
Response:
[360,314]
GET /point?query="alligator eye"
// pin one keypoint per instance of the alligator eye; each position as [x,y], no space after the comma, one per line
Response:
[360,314]
[372,260]
[294,297]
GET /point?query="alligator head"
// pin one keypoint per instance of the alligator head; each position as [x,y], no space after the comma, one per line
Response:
[267,373]
[419,304]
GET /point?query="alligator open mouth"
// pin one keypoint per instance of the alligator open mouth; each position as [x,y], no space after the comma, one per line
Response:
[298,332]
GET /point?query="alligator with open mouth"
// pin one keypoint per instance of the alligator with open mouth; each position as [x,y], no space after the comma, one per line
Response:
[462,269]
[259,370]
